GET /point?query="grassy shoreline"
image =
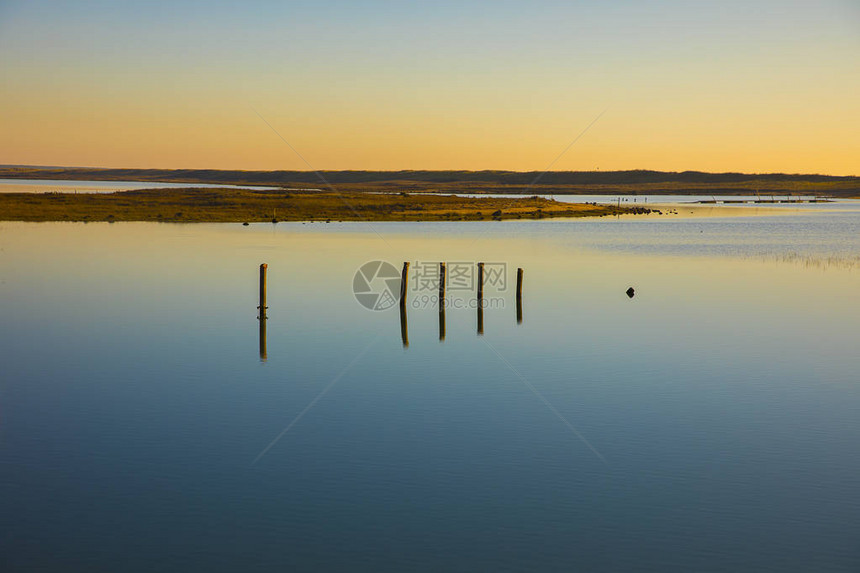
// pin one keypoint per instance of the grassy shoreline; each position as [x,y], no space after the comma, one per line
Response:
[208,205]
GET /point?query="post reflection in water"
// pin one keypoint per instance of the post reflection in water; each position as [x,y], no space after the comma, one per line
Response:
[519,310]
[442,275]
[263,354]
[480,299]
[404,327]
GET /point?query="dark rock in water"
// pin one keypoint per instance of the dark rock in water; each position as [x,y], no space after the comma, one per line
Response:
[631,292]
[245,224]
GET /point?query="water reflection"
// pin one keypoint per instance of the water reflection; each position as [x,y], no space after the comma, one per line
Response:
[480,299]
[737,382]
[404,327]
[442,277]
[263,353]
[823,262]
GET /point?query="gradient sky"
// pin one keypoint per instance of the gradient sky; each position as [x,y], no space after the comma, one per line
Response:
[753,85]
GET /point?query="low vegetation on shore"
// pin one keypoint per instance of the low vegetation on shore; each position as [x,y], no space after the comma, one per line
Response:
[243,205]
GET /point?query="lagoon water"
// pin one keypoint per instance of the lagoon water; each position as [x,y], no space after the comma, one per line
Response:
[709,423]
[73,186]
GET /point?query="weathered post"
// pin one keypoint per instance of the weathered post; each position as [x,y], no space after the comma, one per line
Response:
[442,277]
[404,284]
[262,315]
[263,307]
[519,283]
[519,296]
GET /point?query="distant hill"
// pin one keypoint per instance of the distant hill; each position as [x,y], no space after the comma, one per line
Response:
[607,182]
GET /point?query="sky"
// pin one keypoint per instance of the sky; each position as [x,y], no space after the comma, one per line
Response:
[753,86]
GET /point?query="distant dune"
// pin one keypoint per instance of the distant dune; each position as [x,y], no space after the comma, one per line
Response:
[514,182]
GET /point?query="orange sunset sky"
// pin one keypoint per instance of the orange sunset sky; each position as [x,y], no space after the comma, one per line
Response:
[754,86]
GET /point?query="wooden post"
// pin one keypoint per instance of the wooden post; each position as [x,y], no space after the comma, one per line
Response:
[519,296]
[519,283]
[263,307]
[262,316]
[404,284]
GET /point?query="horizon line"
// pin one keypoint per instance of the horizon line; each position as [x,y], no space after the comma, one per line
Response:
[60,167]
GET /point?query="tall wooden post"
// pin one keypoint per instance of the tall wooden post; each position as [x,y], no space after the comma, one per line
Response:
[519,296]
[404,284]
[262,315]
[519,283]
[263,307]
[442,280]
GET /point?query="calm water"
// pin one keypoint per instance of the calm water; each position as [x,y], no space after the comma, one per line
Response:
[68,186]
[779,201]
[709,423]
